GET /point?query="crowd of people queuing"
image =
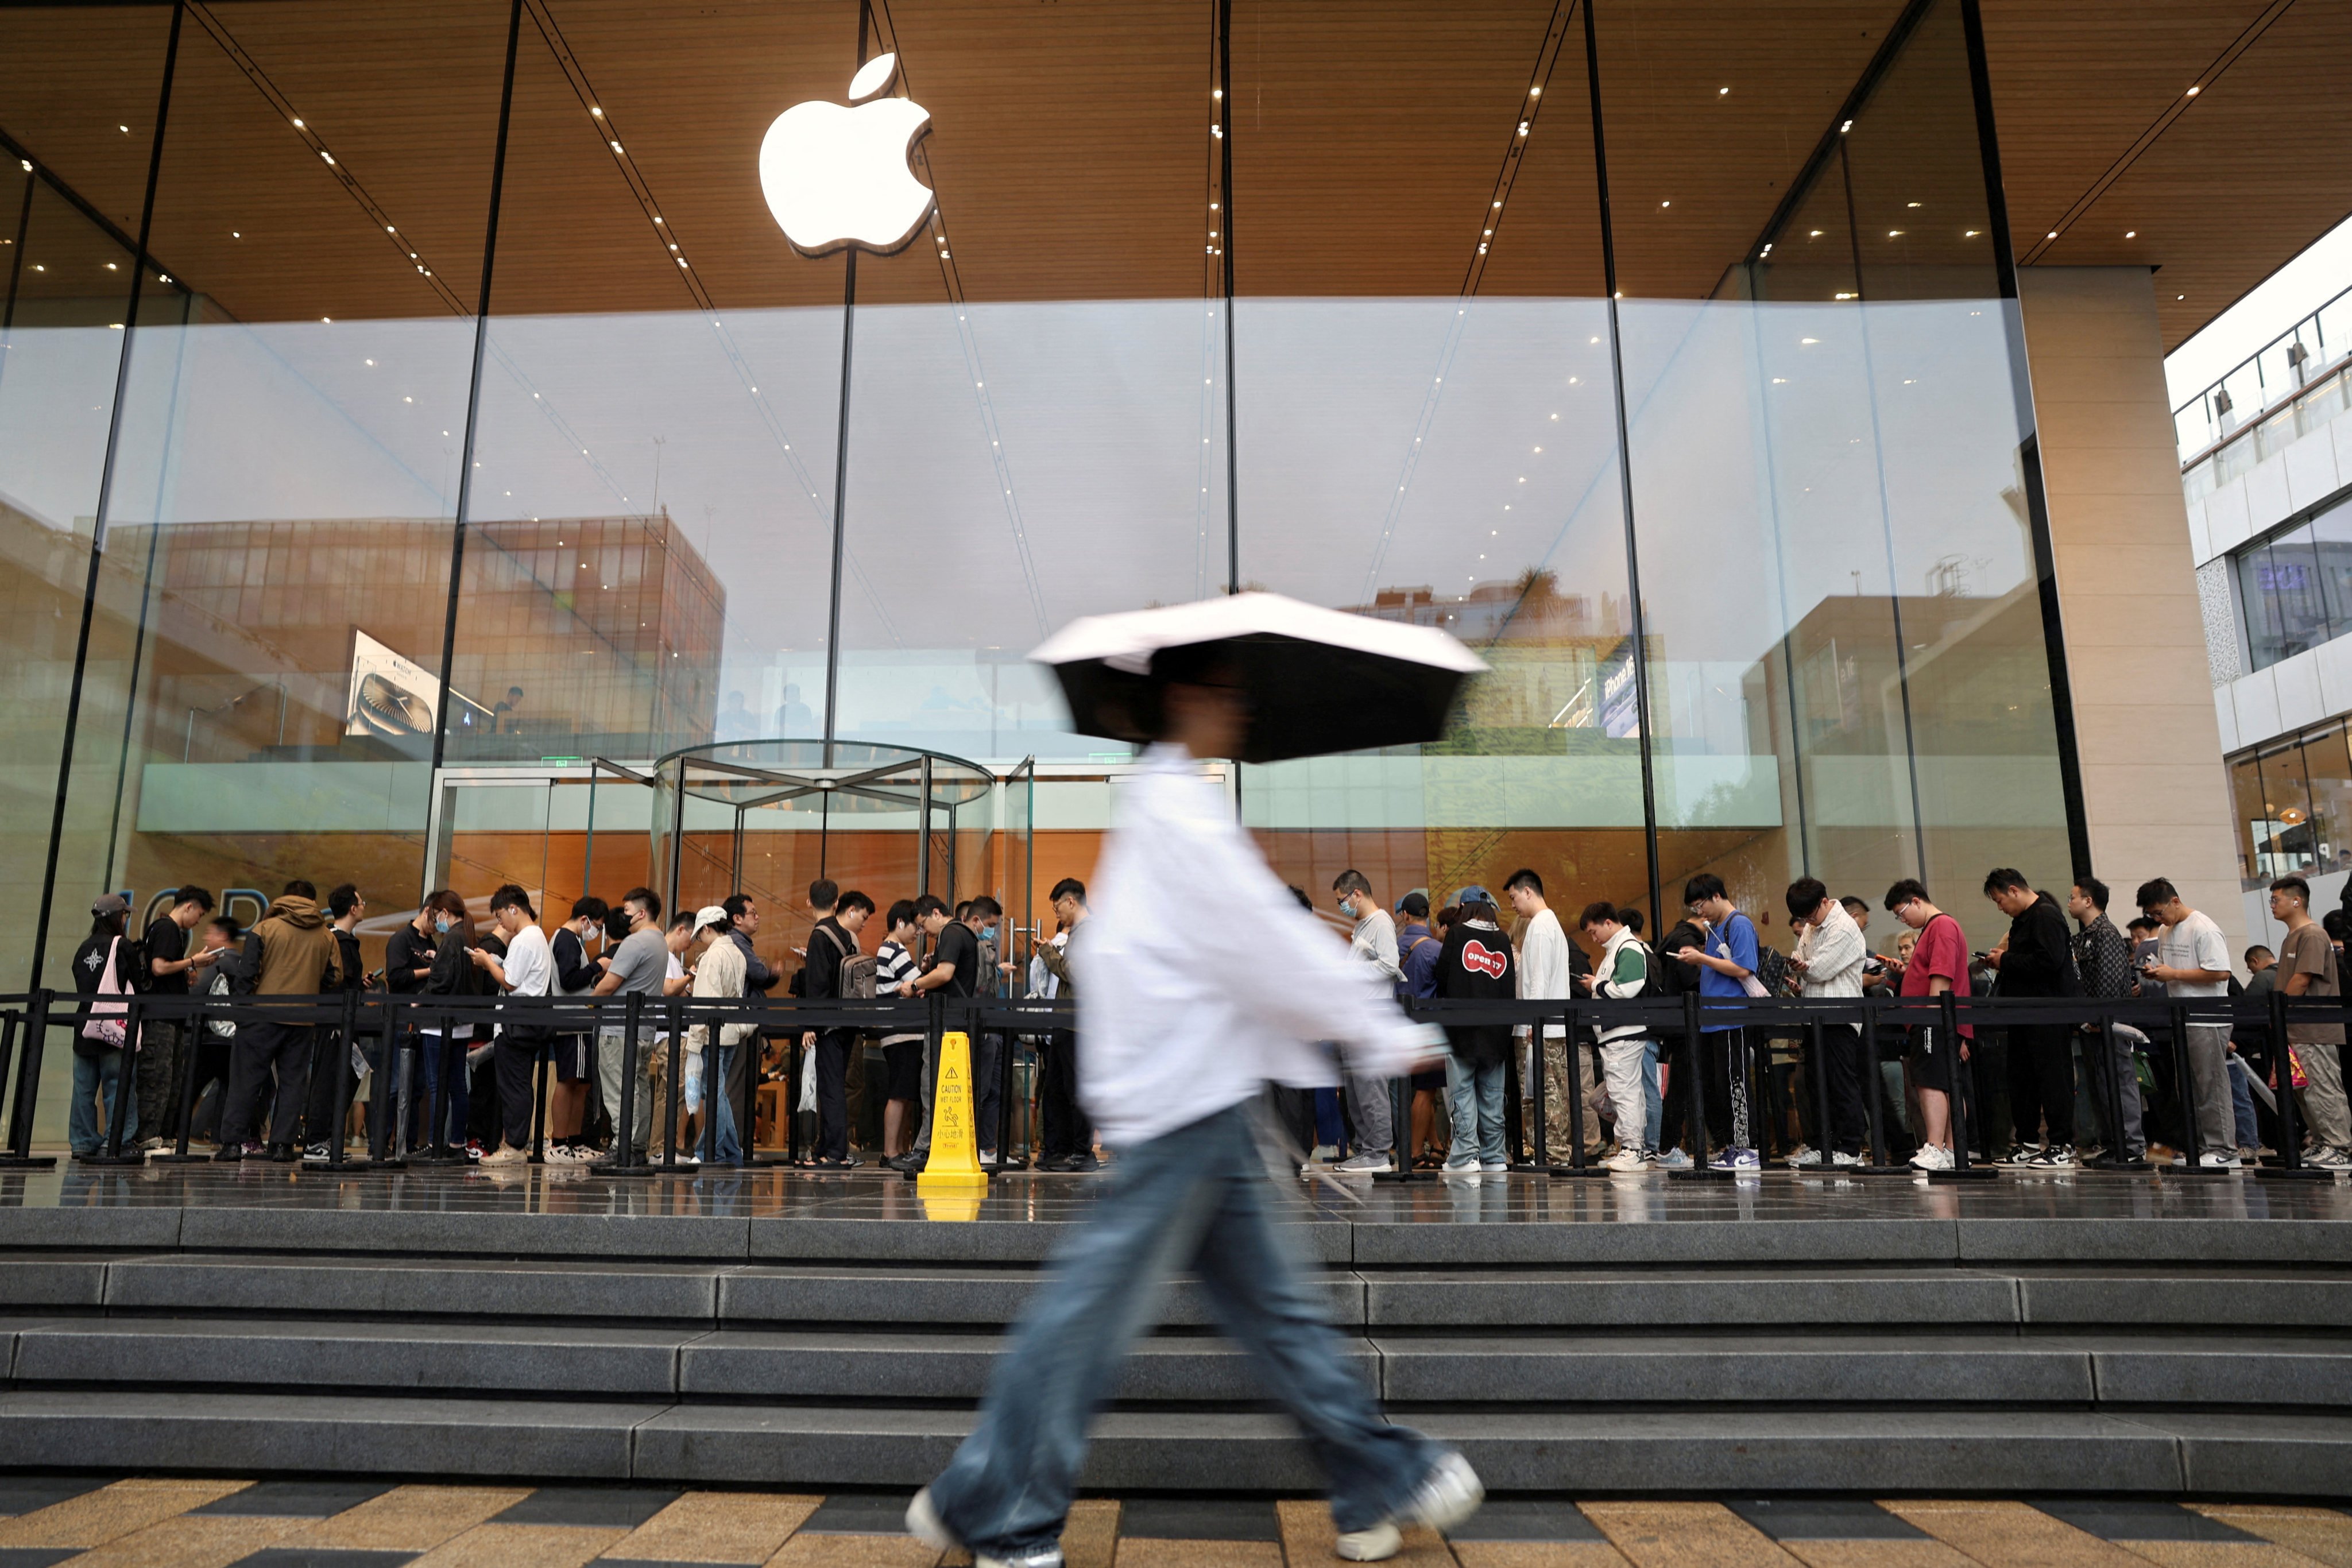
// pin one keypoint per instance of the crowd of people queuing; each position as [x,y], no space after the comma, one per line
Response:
[2043,1095]
[273,1090]
[2040,1096]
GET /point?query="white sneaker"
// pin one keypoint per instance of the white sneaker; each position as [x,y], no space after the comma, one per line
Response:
[1324,1152]
[1378,1544]
[1629,1160]
[508,1155]
[1364,1165]
[1738,1160]
[1465,1170]
[1495,1167]
[923,1522]
[1932,1157]
[1805,1156]
[1673,1160]
[2327,1159]
[1845,1161]
[2218,1162]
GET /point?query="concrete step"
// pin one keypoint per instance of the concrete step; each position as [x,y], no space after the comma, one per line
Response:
[1762,1451]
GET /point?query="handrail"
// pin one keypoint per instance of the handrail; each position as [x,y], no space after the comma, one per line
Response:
[2269,410]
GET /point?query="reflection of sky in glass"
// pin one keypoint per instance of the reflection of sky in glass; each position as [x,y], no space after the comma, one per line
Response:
[57,392]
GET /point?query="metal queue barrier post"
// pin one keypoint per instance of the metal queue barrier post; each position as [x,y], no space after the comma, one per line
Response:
[1542,1164]
[346,1083]
[542,1085]
[671,1072]
[1817,1061]
[19,1156]
[1963,1075]
[1573,1062]
[1008,1047]
[1878,1159]
[389,1147]
[1698,1169]
[436,1150]
[1400,1143]
[9,1021]
[178,1154]
[2290,1167]
[623,1159]
[2189,1157]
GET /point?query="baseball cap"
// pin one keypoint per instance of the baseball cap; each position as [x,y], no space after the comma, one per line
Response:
[1474,894]
[110,903]
[1398,908]
[709,915]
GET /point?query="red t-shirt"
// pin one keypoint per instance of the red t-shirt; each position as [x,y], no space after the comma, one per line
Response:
[1941,950]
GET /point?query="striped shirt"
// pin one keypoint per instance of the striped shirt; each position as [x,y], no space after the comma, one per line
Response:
[892,968]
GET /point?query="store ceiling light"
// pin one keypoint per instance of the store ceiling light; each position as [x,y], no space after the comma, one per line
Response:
[2131,233]
[1723,92]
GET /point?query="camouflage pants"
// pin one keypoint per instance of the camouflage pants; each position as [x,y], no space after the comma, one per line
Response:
[1555,1107]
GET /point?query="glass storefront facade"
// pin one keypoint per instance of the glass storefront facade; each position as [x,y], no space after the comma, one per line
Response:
[394,389]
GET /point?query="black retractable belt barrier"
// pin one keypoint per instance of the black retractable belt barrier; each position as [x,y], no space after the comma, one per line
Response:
[543,1076]
[20,1155]
[389,1147]
[1574,1064]
[2290,1167]
[1695,1068]
[2191,1153]
[126,1091]
[1009,1045]
[1963,1075]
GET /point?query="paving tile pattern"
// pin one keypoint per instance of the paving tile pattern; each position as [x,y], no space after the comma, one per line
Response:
[94,1522]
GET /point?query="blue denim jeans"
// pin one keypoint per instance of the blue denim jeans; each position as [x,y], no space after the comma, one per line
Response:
[2241,1103]
[1192,1199]
[435,1054]
[1473,1099]
[1656,1123]
[88,1122]
[731,1150]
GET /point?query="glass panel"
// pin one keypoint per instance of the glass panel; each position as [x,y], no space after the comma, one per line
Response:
[1444,452]
[2327,766]
[288,460]
[650,526]
[2279,585]
[498,834]
[2255,827]
[1883,704]
[80,90]
[2282,840]
[2331,543]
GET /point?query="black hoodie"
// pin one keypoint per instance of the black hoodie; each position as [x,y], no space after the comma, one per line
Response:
[2041,957]
[1477,964]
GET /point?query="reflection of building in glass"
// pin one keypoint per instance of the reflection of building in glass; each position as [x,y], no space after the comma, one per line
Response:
[610,625]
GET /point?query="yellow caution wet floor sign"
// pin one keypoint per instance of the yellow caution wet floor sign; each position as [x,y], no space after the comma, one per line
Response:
[954,1164]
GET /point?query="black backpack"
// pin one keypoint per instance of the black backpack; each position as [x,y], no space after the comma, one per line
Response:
[1669,975]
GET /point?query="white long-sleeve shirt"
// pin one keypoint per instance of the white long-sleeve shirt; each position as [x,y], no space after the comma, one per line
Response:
[1834,953]
[1544,965]
[1177,1029]
[1375,943]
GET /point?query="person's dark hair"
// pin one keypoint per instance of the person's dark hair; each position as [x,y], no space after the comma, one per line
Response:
[2092,888]
[1301,894]
[514,691]
[2145,922]
[298,888]
[2296,885]
[1415,906]
[2001,879]
[1903,892]
[341,899]
[929,904]
[823,893]
[1857,907]
[1351,881]
[1069,887]
[1525,877]
[1449,916]
[1481,909]
[1595,913]
[735,904]
[983,908]
[1705,885]
[963,909]
[589,908]
[854,900]
[902,912]
[2155,891]
[202,897]
[2334,924]
[109,924]
[1630,918]
[461,923]
[511,896]
[616,924]
[681,921]
[2257,947]
[227,927]
[1804,895]
[645,898]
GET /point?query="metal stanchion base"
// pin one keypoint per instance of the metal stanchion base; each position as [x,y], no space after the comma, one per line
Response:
[180,1159]
[623,1168]
[2103,1164]
[1528,1168]
[131,1157]
[27,1161]
[1905,1170]
[2281,1173]
[1709,1172]
[1565,1173]
[1973,1173]
[2197,1173]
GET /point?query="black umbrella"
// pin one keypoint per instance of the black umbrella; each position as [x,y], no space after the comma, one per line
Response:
[1322,681]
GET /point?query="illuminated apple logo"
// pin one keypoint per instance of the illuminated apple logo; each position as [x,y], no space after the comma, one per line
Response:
[837,176]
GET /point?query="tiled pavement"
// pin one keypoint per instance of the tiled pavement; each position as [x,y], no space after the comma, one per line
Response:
[172,1524]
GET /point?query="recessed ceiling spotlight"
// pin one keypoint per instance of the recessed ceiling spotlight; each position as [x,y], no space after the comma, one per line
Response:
[2195,90]
[1722,93]
[2053,233]
[2131,233]
[298,122]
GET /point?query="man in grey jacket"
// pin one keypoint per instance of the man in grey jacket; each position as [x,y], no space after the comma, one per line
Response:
[1828,957]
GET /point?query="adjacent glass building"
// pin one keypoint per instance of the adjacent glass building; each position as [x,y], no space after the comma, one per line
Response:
[406,410]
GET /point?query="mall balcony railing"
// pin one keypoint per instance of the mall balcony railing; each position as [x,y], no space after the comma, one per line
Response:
[355,1028]
[2291,386]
